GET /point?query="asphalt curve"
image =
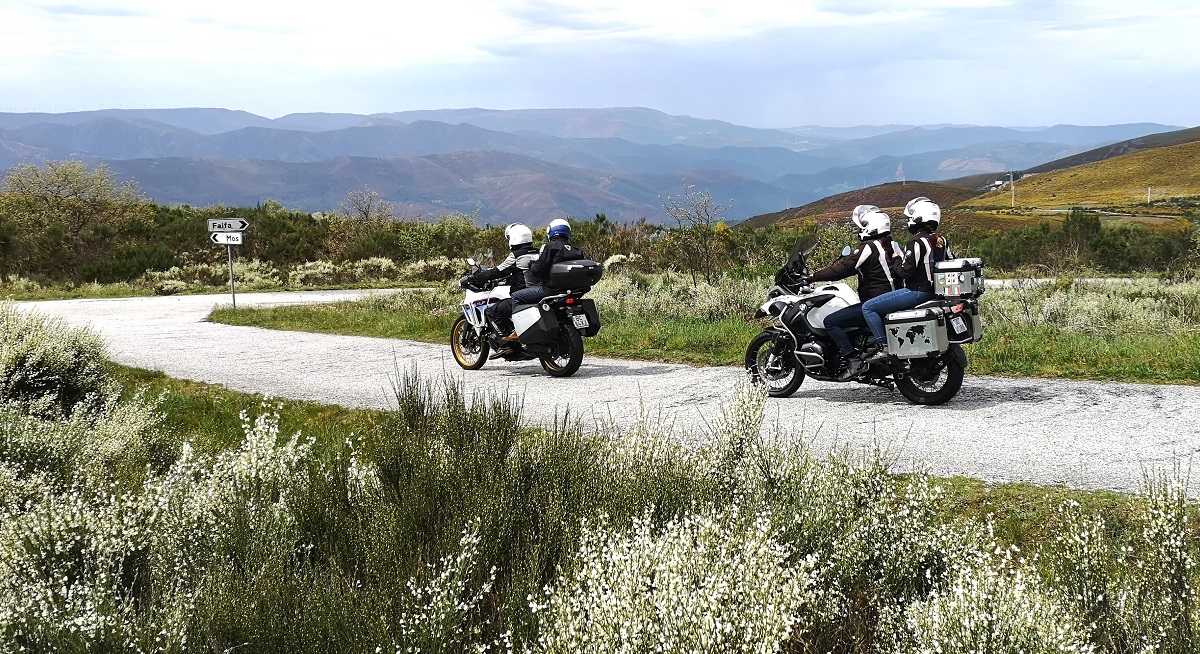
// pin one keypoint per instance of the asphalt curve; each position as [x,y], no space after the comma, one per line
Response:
[1079,434]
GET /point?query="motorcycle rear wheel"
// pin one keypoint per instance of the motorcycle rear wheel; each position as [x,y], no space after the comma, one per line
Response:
[568,354]
[777,370]
[932,381]
[469,348]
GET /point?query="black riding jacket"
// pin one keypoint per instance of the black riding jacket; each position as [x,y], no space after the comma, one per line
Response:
[516,267]
[921,253]
[872,260]
[558,249]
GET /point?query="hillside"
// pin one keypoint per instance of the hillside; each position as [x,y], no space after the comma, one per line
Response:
[891,197]
[499,186]
[618,161]
[1121,182]
[1149,142]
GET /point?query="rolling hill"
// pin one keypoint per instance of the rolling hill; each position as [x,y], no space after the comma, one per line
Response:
[1172,173]
[890,197]
[499,186]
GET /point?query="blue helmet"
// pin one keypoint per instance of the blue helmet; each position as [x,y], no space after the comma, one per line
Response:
[559,227]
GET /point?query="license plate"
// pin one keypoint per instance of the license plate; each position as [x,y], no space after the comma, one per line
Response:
[580,320]
[957,323]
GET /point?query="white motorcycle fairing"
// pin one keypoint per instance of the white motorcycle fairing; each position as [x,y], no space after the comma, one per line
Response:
[843,296]
[476,302]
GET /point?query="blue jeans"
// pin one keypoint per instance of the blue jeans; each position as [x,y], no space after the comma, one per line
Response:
[528,295]
[874,309]
[836,323]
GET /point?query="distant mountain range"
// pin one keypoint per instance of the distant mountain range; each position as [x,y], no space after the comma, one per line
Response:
[529,165]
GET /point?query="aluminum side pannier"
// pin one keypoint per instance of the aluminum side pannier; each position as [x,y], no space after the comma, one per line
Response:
[958,278]
[916,333]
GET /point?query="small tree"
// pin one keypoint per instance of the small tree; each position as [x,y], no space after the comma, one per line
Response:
[367,205]
[695,236]
[64,216]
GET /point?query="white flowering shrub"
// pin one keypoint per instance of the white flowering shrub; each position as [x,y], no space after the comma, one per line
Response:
[995,607]
[438,269]
[315,273]
[674,296]
[47,366]
[1151,306]
[20,284]
[98,449]
[170,286]
[375,269]
[256,275]
[1141,598]
[439,617]
[706,582]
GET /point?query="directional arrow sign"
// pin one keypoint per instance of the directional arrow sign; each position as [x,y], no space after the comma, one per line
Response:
[228,225]
[226,238]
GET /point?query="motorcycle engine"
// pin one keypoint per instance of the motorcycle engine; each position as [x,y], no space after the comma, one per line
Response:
[812,356]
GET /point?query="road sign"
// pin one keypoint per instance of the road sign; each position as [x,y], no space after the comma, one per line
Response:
[226,238]
[228,225]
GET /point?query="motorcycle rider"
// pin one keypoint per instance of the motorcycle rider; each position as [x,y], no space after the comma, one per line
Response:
[872,260]
[517,268]
[557,248]
[925,249]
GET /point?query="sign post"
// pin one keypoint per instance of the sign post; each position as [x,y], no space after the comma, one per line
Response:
[228,232]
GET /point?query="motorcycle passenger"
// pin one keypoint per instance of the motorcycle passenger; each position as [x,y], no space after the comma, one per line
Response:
[517,269]
[557,248]
[872,260]
[925,249]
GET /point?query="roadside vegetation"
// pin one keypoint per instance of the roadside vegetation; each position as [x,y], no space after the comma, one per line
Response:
[70,230]
[140,513]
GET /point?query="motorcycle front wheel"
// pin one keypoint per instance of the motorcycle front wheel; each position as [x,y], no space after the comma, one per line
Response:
[932,381]
[777,370]
[470,350]
[568,353]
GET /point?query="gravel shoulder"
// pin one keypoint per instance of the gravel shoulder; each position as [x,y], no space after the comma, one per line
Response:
[1096,435]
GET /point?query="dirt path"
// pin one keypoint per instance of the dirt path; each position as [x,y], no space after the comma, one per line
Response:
[1082,434]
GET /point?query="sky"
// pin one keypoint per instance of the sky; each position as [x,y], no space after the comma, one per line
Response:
[761,64]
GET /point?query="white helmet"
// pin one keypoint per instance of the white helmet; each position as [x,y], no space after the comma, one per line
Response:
[518,234]
[922,211]
[860,211]
[872,224]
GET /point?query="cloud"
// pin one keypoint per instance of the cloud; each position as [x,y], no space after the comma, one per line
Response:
[767,64]
[109,10]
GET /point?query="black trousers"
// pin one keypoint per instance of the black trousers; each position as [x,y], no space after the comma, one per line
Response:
[501,313]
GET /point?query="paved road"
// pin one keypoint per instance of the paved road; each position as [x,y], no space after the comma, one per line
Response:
[1082,434]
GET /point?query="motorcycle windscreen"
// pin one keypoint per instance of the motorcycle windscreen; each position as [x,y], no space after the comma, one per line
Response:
[535,325]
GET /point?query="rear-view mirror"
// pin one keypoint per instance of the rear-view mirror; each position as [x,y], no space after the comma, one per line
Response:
[846,251]
[470,261]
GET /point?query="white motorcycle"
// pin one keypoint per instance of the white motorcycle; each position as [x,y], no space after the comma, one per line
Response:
[926,362]
[551,331]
